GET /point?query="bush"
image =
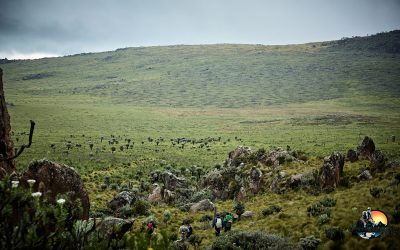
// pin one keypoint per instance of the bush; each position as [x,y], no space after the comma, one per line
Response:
[195,240]
[167,216]
[375,192]
[27,221]
[317,209]
[334,233]
[328,202]
[309,243]
[239,208]
[323,219]
[250,240]
[141,207]
[271,209]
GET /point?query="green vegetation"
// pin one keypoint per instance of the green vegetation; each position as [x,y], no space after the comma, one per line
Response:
[118,116]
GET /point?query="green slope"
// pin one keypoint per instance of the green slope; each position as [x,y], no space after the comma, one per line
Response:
[215,75]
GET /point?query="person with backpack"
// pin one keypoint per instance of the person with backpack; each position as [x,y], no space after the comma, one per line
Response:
[217,224]
[183,231]
[151,226]
[228,219]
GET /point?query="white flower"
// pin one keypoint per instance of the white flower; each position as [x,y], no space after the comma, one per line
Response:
[31,182]
[14,184]
[61,201]
[36,194]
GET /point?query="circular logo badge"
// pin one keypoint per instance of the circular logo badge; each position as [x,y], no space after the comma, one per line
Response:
[372,224]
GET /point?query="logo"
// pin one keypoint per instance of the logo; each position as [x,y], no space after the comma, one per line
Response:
[372,224]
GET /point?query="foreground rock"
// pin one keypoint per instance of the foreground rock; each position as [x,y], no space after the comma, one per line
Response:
[203,205]
[330,172]
[235,156]
[53,179]
[122,199]
[113,228]
[377,160]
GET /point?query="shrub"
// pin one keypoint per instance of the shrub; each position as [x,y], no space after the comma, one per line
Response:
[239,208]
[323,219]
[250,240]
[334,233]
[125,212]
[271,209]
[375,192]
[167,216]
[103,187]
[141,207]
[309,243]
[195,240]
[328,202]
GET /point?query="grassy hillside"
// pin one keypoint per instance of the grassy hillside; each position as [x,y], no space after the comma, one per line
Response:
[317,97]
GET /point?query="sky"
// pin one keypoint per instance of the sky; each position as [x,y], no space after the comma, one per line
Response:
[43,28]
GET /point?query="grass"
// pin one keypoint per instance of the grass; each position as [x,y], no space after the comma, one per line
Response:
[312,97]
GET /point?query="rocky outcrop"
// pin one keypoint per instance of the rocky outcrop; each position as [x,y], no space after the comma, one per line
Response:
[276,157]
[242,194]
[247,215]
[295,180]
[53,179]
[172,182]
[159,194]
[224,184]
[203,205]
[113,228]
[377,160]
[122,199]
[365,175]
[235,155]
[352,155]
[330,172]
[255,180]
[366,148]
[6,144]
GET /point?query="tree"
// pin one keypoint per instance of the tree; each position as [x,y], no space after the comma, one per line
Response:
[239,208]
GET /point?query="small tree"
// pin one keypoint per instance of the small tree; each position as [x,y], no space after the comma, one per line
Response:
[239,208]
[167,216]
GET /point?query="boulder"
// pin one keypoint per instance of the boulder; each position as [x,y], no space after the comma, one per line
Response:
[53,179]
[172,182]
[255,179]
[122,199]
[247,215]
[365,175]
[113,228]
[3,173]
[330,172]
[377,160]
[352,155]
[156,194]
[366,148]
[241,151]
[295,180]
[224,184]
[203,205]
[242,194]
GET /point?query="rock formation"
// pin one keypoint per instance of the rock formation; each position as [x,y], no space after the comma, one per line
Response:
[122,199]
[366,148]
[53,179]
[330,172]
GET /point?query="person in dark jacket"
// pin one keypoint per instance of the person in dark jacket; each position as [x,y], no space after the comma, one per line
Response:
[217,224]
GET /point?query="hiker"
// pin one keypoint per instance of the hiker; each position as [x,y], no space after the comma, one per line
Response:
[183,230]
[217,224]
[190,229]
[151,226]
[228,219]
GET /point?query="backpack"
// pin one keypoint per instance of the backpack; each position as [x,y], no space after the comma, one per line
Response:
[150,226]
[190,230]
[218,223]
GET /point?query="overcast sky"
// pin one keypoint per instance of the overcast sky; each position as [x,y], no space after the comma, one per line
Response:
[36,28]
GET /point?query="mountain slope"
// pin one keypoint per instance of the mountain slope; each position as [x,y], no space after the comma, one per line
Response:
[223,75]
